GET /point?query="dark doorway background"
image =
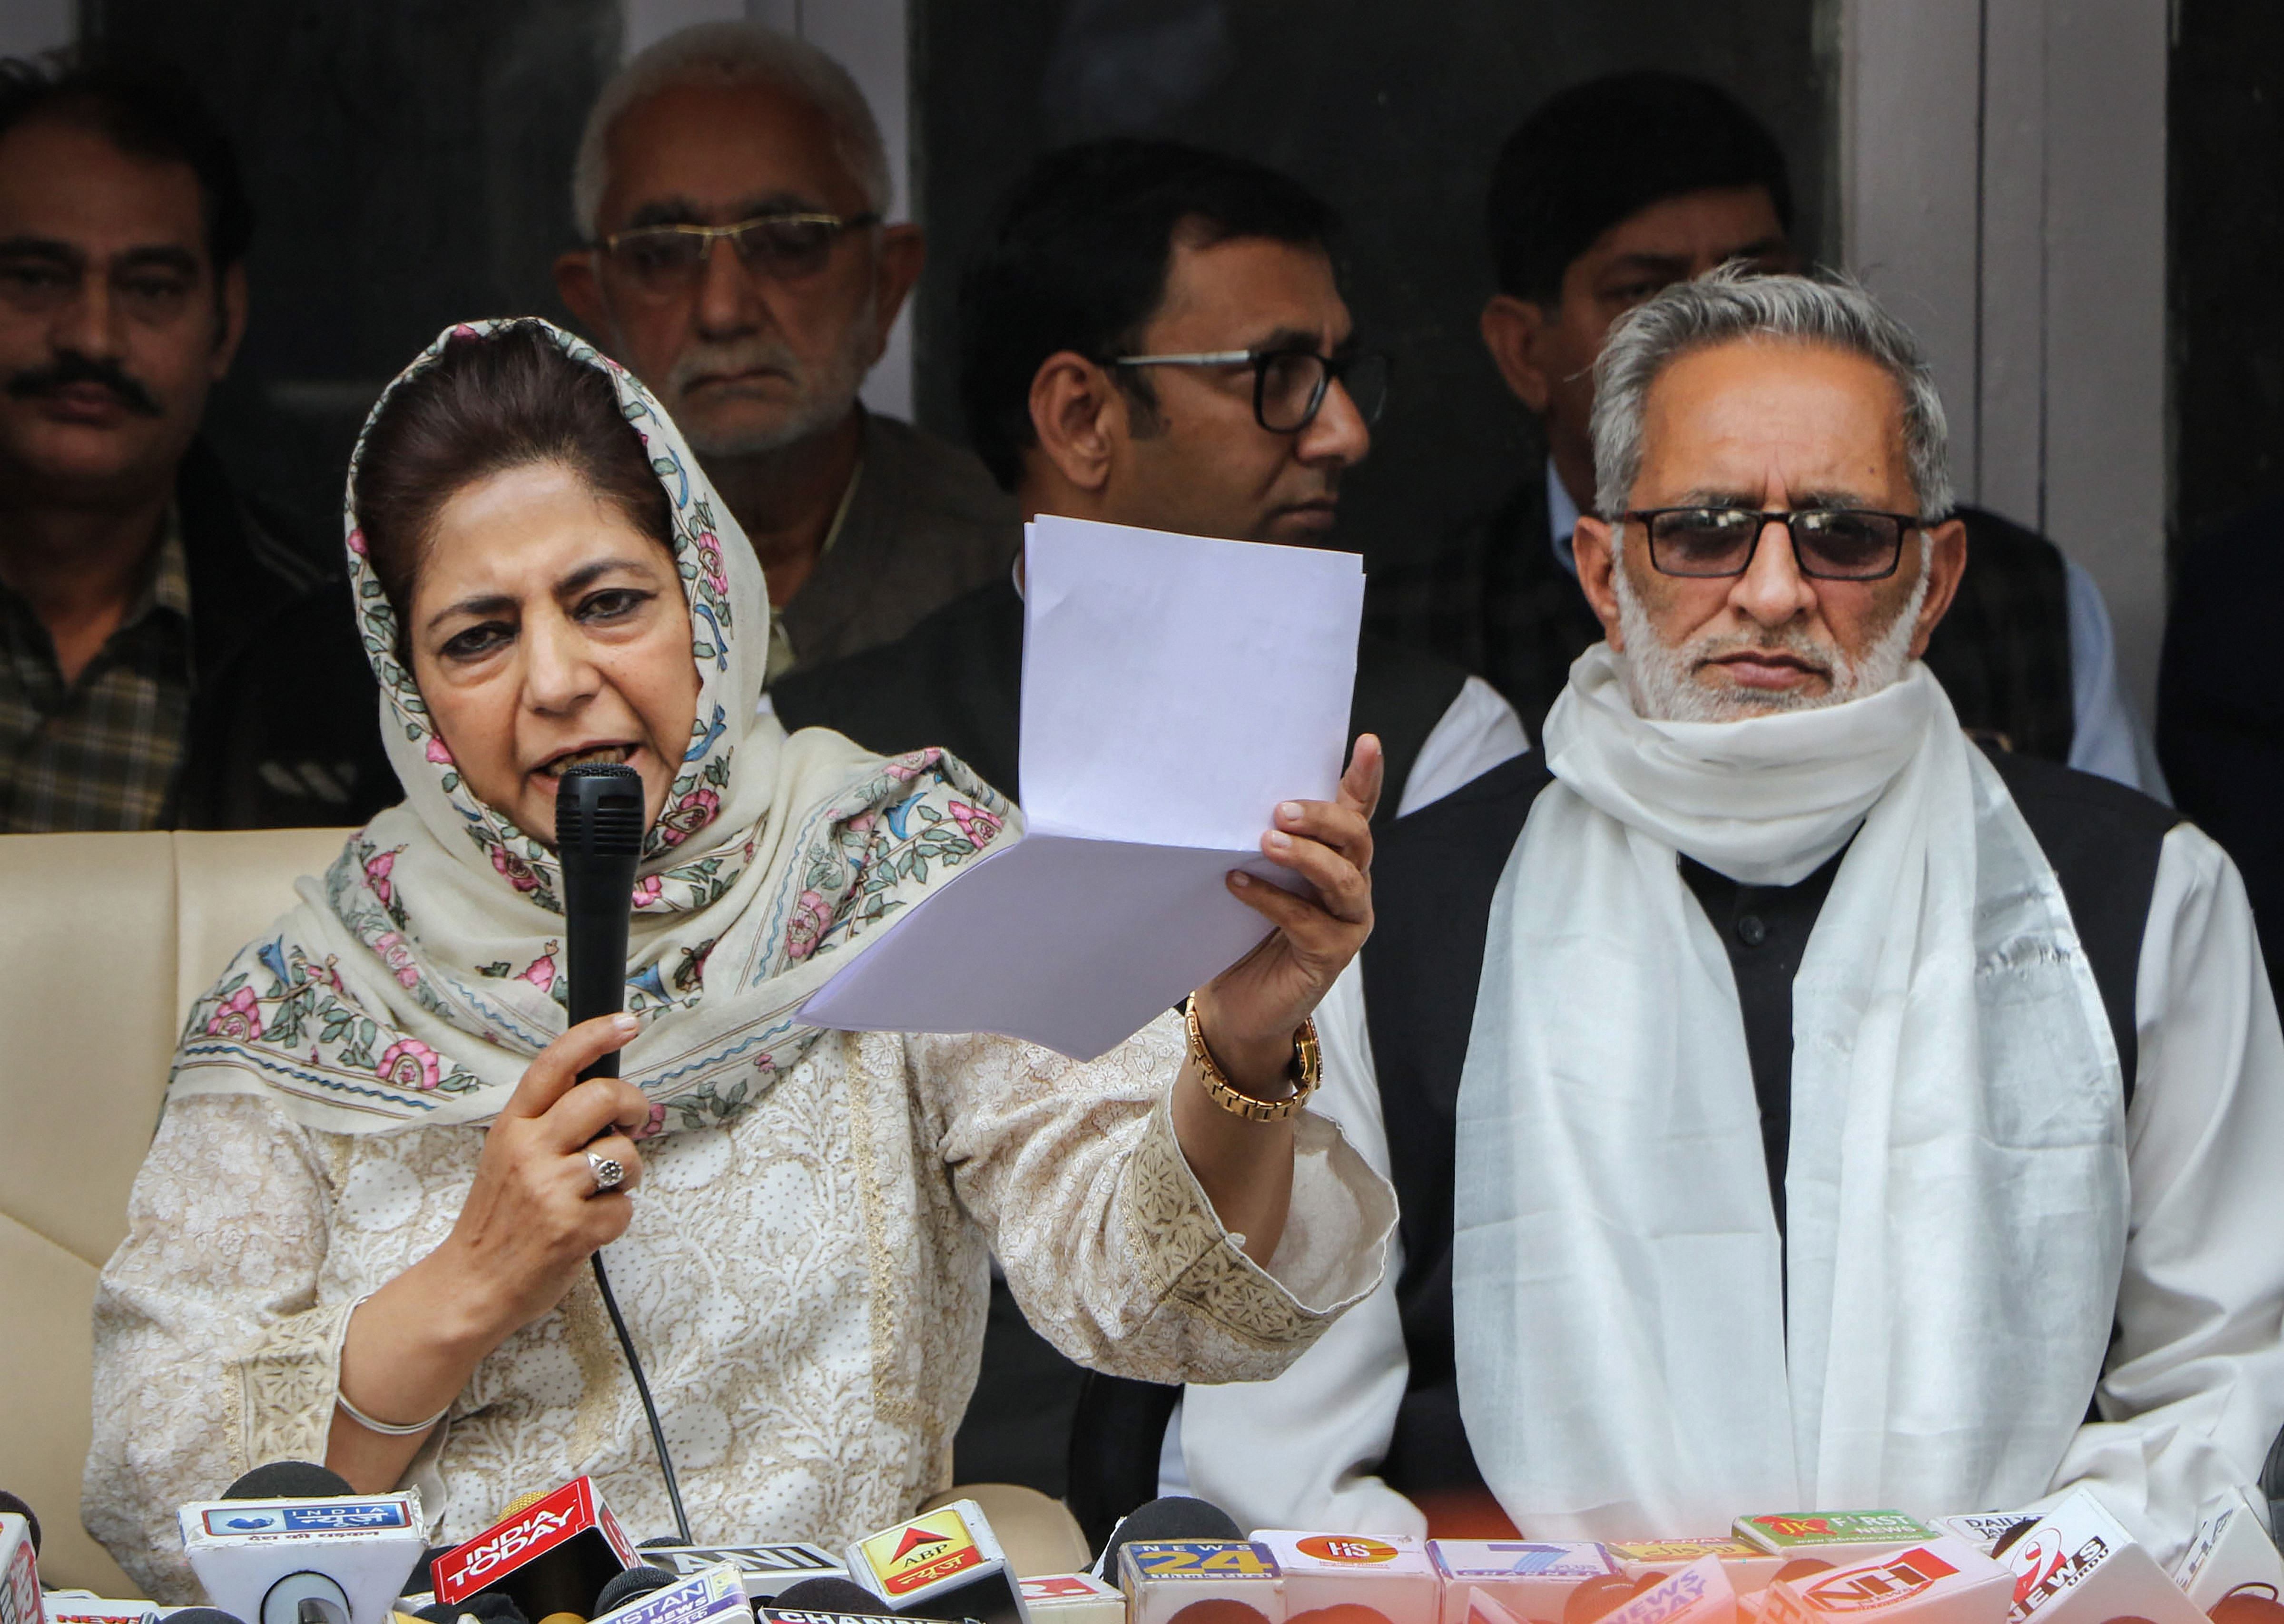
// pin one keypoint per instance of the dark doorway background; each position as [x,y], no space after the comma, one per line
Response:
[410,167]
[1393,113]
[2225,199]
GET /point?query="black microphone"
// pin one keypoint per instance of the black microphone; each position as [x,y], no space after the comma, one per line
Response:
[10,1502]
[290,1480]
[485,1606]
[828,1593]
[599,832]
[1170,1517]
[202,1615]
[623,1588]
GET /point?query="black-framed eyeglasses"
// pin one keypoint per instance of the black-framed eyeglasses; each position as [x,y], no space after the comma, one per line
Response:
[1828,544]
[1289,385]
[662,262]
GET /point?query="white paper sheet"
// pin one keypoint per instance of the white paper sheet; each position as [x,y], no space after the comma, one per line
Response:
[1175,689]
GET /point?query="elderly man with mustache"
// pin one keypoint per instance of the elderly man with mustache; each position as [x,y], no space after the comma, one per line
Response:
[734,193]
[169,657]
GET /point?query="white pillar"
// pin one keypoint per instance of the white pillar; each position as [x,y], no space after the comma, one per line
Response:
[2003,186]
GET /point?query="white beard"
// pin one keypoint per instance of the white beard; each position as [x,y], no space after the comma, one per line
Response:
[1661,679]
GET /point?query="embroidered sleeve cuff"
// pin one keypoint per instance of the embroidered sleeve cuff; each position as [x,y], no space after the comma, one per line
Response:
[1334,1248]
[287,1386]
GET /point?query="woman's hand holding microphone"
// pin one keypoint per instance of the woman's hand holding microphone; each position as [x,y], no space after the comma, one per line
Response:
[543,1202]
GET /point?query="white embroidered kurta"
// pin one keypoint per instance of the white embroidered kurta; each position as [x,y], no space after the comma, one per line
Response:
[806,1287]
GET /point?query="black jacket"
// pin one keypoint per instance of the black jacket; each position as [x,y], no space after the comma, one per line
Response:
[284,724]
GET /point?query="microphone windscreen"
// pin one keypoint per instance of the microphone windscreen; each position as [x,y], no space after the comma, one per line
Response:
[202,1615]
[828,1594]
[489,1606]
[289,1480]
[1171,1517]
[10,1502]
[623,1588]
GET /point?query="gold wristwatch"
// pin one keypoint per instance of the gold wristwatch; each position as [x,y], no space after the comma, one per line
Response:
[1306,1072]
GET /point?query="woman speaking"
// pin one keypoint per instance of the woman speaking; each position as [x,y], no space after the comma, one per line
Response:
[362,1233]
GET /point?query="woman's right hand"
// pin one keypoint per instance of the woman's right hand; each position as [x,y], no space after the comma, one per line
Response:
[533,1217]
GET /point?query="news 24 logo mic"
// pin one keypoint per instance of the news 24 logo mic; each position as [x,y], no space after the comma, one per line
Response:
[552,1556]
[290,1543]
[599,832]
[944,1564]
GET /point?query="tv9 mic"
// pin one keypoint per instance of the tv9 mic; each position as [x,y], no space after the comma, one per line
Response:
[598,834]
[288,1543]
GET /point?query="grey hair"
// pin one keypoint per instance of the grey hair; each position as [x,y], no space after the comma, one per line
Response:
[1730,304]
[733,52]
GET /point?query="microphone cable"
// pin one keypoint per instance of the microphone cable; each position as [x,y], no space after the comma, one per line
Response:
[642,1391]
[599,827]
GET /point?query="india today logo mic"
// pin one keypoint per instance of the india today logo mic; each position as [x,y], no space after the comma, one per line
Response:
[473,1564]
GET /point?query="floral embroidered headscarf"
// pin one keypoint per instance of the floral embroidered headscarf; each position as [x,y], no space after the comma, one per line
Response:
[415,982]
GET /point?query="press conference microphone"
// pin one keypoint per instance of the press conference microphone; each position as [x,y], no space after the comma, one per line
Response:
[548,1555]
[1170,1517]
[826,1593]
[289,1480]
[10,1504]
[599,832]
[599,835]
[291,1542]
[486,1607]
[623,1588]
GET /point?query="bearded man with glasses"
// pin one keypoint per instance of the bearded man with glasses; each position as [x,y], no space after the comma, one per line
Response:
[733,189]
[1792,1101]
[1153,336]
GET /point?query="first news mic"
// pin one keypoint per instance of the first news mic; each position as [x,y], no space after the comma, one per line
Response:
[598,833]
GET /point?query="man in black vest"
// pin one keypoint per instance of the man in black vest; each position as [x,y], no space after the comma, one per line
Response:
[1616,187]
[1152,337]
[1790,1104]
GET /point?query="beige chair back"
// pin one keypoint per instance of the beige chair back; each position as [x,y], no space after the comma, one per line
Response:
[107,939]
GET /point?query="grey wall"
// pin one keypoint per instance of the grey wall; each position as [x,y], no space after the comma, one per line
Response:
[1392,111]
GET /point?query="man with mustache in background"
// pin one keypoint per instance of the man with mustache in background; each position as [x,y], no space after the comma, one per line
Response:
[168,658]
[733,189]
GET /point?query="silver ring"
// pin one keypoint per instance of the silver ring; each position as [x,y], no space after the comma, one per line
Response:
[610,1173]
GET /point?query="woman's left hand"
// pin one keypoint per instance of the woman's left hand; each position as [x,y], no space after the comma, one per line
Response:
[1250,1012]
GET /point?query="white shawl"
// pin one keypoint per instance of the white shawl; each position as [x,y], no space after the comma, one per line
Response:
[1955,1190]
